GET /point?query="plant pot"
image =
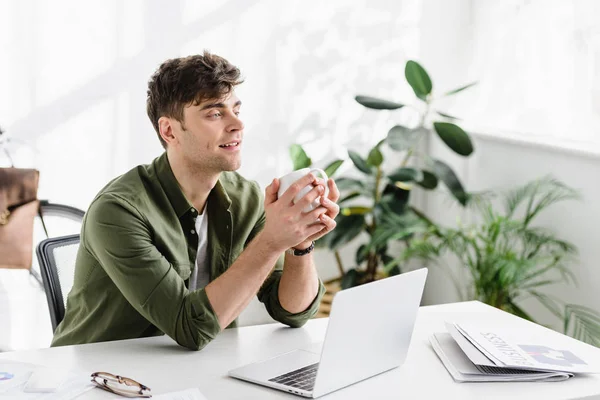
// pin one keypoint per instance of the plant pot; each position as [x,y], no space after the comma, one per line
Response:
[331,288]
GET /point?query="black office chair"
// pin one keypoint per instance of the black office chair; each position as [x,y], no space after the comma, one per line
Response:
[56,257]
[54,220]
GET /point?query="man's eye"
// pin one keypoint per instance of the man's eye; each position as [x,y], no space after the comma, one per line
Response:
[215,115]
[236,112]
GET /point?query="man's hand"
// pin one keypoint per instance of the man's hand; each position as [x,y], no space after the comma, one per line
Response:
[286,225]
[327,218]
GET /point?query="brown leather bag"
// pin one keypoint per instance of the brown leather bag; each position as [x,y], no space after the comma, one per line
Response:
[18,208]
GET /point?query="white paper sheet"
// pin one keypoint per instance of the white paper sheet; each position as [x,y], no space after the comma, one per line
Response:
[479,347]
[471,351]
[15,376]
[188,394]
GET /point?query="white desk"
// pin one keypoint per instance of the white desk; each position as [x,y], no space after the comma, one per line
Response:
[164,366]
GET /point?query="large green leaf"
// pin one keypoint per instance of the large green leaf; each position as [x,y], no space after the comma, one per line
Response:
[454,137]
[359,162]
[406,174]
[347,228]
[443,114]
[418,79]
[299,157]
[323,243]
[429,181]
[351,278]
[345,184]
[348,197]
[361,254]
[395,270]
[460,89]
[394,198]
[386,258]
[401,138]
[375,157]
[377,104]
[445,173]
[331,168]
[387,205]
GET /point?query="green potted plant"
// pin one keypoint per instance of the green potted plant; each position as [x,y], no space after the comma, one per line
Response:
[374,194]
[507,257]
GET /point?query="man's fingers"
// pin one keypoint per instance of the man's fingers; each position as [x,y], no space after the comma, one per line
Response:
[328,222]
[311,217]
[320,181]
[332,208]
[334,193]
[271,191]
[297,186]
[313,229]
[309,198]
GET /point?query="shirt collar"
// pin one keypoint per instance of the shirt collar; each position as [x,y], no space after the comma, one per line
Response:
[180,203]
[219,196]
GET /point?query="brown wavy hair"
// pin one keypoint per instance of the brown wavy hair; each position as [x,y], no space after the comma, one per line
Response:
[179,82]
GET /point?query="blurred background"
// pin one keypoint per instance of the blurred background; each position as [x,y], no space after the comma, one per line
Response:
[73,78]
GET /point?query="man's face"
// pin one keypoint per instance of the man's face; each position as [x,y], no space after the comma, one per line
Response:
[212,138]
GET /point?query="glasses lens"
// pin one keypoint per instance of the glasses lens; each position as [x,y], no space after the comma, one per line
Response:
[120,385]
[104,376]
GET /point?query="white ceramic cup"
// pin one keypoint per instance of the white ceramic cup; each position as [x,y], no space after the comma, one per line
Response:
[287,180]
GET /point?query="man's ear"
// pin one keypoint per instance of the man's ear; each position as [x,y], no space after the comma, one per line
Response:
[165,127]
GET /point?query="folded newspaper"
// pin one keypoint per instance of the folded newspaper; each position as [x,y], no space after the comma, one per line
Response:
[493,353]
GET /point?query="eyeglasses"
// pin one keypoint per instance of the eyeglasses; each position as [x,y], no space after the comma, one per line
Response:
[120,385]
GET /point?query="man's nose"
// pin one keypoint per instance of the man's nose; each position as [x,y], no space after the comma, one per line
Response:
[236,123]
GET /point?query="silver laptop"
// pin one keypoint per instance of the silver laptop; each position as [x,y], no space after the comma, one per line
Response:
[369,332]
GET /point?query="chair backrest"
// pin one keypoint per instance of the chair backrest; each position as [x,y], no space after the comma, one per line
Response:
[56,257]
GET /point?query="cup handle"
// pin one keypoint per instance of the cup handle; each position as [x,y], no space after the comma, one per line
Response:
[324,176]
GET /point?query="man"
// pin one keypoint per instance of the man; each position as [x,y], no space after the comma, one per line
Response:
[182,245]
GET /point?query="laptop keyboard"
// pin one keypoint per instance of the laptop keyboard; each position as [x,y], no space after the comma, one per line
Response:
[302,378]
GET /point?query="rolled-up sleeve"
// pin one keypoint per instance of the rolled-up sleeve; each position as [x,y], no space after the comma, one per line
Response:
[269,291]
[121,240]
[269,295]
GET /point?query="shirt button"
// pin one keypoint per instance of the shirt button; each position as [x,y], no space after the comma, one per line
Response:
[193,231]
[193,210]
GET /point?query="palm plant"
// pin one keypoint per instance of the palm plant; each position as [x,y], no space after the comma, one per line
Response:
[377,194]
[508,259]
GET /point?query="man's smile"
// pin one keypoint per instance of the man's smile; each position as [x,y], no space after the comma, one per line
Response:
[231,146]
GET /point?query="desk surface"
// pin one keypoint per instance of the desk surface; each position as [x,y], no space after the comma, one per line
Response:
[164,366]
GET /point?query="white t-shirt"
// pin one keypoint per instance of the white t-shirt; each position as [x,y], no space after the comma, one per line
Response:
[201,274]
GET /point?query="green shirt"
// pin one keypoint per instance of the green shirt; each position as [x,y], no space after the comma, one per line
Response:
[137,252]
